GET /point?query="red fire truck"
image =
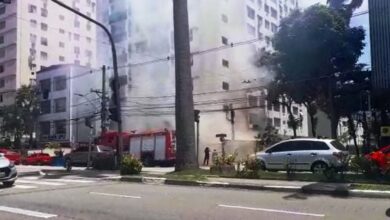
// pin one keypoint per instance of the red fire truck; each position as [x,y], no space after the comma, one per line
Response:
[152,147]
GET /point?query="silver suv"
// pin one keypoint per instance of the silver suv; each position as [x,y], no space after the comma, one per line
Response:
[316,155]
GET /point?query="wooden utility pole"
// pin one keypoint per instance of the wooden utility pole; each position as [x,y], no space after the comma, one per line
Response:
[185,131]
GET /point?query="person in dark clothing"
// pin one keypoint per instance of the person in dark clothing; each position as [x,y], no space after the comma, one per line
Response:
[206,156]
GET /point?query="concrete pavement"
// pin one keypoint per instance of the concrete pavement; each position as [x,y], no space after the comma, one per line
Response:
[115,200]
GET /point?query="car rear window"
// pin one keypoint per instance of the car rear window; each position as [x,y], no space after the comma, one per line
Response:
[338,145]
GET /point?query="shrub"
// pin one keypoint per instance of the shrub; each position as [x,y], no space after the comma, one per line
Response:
[130,165]
[251,169]
[368,167]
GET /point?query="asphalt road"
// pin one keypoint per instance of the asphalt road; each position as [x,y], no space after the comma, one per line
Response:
[94,198]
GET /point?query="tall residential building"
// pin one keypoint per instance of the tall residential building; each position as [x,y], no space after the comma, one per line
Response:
[226,38]
[37,34]
[380,43]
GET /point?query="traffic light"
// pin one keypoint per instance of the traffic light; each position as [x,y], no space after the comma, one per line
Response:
[196,115]
[113,103]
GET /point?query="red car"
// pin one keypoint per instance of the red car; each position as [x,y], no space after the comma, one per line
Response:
[11,155]
[38,159]
[381,157]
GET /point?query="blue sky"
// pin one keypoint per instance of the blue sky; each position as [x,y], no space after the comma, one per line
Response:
[356,21]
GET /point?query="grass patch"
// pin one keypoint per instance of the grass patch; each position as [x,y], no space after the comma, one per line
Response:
[189,175]
[371,187]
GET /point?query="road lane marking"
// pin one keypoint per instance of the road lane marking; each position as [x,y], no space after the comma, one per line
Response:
[24,187]
[273,210]
[71,181]
[114,195]
[41,183]
[26,212]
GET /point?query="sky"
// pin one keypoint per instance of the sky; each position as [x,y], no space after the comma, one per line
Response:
[356,21]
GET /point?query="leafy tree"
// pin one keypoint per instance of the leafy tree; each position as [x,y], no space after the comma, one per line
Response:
[269,137]
[311,46]
[20,118]
[345,8]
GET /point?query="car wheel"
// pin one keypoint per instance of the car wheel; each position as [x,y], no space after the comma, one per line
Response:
[319,167]
[8,184]
[262,166]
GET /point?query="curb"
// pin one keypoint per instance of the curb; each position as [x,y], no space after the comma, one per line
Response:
[30,173]
[337,192]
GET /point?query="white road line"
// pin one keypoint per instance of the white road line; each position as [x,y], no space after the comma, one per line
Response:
[17,186]
[26,212]
[40,183]
[273,210]
[114,195]
[71,181]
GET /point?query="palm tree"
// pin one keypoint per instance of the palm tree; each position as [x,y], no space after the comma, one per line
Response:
[185,132]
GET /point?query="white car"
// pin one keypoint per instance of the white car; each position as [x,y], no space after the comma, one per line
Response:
[8,173]
[310,154]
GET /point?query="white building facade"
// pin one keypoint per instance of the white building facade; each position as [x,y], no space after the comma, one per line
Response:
[37,34]
[224,77]
[66,102]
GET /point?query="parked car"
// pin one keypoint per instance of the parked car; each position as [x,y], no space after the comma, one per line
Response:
[381,158]
[79,156]
[316,155]
[8,173]
[38,159]
[11,155]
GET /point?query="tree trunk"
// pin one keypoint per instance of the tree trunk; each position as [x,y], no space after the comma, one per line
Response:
[352,132]
[185,131]
[313,125]
[292,119]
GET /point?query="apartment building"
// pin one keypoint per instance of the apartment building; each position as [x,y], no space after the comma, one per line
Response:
[67,102]
[226,38]
[37,34]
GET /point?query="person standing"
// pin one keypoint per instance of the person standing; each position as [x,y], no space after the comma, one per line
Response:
[206,156]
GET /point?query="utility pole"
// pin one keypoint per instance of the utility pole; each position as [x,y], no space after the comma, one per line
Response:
[184,108]
[333,119]
[116,74]
[104,101]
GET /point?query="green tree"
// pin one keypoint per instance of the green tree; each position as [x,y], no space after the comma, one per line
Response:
[311,46]
[345,7]
[20,118]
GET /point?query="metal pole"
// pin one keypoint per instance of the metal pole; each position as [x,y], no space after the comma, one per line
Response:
[197,139]
[104,112]
[89,147]
[116,74]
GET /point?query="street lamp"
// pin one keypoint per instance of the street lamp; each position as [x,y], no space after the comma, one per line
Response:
[116,75]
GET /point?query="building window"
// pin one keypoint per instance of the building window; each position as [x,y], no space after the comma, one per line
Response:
[277,122]
[274,28]
[89,40]
[2,39]
[2,52]
[269,106]
[262,102]
[268,40]
[251,29]
[45,107]
[61,44]
[2,25]
[59,83]
[225,40]
[295,110]
[62,31]
[43,27]
[32,8]
[1,98]
[60,105]
[267,24]
[62,17]
[225,86]
[274,13]
[76,37]
[88,53]
[259,22]
[44,127]
[225,63]
[283,109]
[44,41]
[2,10]
[2,83]
[61,58]
[43,12]
[250,12]
[60,127]
[277,107]
[76,23]
[43,55]
[260,3]
[1,68]
[266,8]
[252,100]
[269,121]
[224,18]
[77,50]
